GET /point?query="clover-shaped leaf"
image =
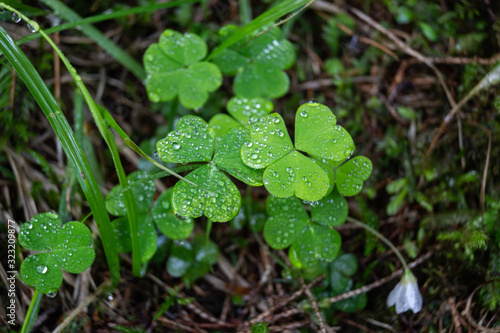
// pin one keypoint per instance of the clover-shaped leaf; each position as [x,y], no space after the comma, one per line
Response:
[192,260]
[295,174]
[215,197]
[147,236]
[287,219]
[163,214]
[173,69]
[259,64]
[316,243]
[227,157]
[288,171]
[331,210]
[142,191]
[213,194]
[269,141]
[241,109]
[289,224]
[192,141]
[350,175]
[69,247]
[316,133]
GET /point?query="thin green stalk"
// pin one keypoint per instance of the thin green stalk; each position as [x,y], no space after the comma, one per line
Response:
[245,11]
[128,200]
[108,138]
[381,237]
[32,312]
[108,16]
[209,229]
[70,145]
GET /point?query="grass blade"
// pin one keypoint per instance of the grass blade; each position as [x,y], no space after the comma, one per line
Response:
[262,20]
[76,158]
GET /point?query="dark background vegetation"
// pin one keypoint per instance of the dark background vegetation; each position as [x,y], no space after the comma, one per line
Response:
[441,207]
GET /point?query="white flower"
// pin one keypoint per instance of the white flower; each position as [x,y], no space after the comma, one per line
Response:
[406,294]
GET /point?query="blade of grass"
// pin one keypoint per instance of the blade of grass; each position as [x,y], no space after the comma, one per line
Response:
[64,133]
[262,20]
[109,16]
[109,46]
[32,312]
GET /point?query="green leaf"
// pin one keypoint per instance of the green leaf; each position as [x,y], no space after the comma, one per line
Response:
[142,191]
[287,219]
[270,48]
[317,243]
[73,247]
[228,158]
[396,185]
[186,49]
[296,175]
[316,133]
[269,141]
[346,264]
[221,123]
[259,64]
[261,80]
[173,69]
[147,236]
[166,220]
[40,233]
[396,201]
[192,141]
[42,272]
[351,174]
[230,61]
[180,259]
[242,108]
[216,197]
[331,211]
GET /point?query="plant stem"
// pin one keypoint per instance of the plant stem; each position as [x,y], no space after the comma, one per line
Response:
[32,312]
[381,237]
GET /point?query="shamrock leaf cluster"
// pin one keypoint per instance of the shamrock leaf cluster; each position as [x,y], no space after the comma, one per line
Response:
[67,247]
[174,69]
[258,63]
[213,193]
[289,172]
[311,239]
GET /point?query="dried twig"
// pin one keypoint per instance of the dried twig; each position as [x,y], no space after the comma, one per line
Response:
[286,301]
[315,307]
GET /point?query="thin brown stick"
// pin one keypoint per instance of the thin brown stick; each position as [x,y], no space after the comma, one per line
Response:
[315,307]
[296,294]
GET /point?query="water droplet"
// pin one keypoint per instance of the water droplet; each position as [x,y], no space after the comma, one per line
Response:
[52,294]
[15,17]
[42,269]
[176,146]
[31,28]
[303,114]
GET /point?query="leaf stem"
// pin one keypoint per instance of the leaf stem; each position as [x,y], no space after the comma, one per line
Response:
[32,312]
[381,237]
